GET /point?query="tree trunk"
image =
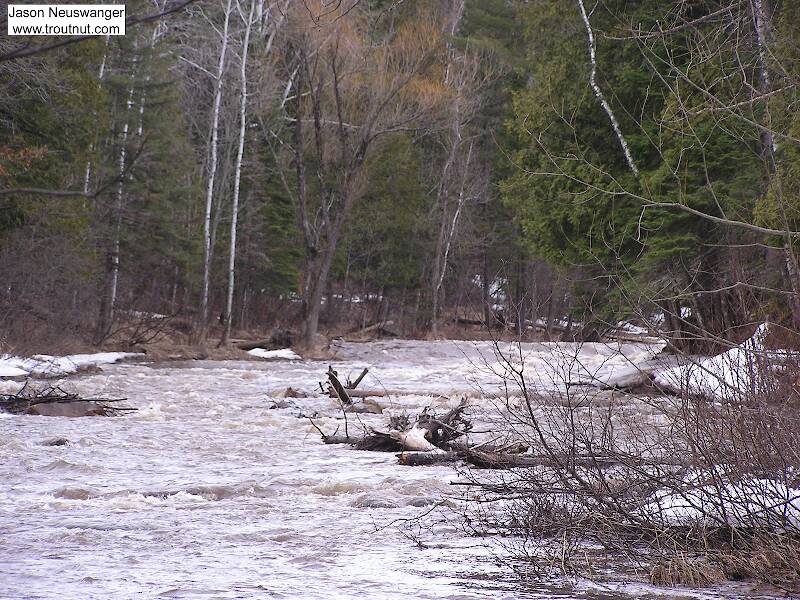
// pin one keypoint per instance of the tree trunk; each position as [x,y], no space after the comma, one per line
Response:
[109,301]
[100,77]
[237,178]
[486,297]
[318,278]
[763,29]
[212,171]
[520,295]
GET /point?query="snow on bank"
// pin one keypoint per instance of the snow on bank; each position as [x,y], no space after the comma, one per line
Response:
[748,503]
[739,370]
[43,365]
[9,368]
[283,353]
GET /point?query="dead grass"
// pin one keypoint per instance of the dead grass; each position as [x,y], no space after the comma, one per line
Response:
[775,563]
[686,570]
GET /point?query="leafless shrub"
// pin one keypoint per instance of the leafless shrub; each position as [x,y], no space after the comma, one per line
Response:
[693,488]
[46,298]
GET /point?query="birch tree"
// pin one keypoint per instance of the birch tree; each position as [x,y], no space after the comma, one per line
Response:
[109,294]
[238,167]
[461,177]
[219,77]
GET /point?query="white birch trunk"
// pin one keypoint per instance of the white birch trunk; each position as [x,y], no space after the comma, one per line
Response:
[115,251]
[762,28]
[237,176]
[212,171]
[599,93]
[442,242]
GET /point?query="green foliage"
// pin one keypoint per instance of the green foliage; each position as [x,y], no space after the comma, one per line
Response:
[572,192]
[281,248]
[383,242]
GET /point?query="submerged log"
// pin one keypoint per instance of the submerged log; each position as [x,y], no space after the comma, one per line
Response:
[68,409]
[367,406]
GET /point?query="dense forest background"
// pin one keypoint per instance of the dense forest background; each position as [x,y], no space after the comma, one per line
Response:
[550,167]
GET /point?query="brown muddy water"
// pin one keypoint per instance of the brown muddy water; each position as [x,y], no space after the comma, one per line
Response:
[207,492]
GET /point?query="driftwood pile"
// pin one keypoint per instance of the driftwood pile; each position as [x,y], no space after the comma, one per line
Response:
[431,439]
[426,440]
[53,401]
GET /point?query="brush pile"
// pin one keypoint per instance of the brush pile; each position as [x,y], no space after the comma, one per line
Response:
[57,402]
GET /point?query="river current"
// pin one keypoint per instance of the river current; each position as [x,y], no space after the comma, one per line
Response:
[207,491]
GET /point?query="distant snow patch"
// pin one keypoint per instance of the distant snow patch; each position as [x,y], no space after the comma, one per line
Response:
[44,365]
[9,368]
[283,353]
[632,329]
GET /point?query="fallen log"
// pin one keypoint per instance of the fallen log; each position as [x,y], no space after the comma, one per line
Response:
[466,321]
[350,389]
[381,328]
[379,441]
[422,459]
[279,339]
[501,460]
[386,332]
[374,327]
[428,434]
[351,393]
[509,448]
[342,439]
[414,439]
[266,344]
[440,431]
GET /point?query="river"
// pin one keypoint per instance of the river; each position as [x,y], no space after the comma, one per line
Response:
[208,492]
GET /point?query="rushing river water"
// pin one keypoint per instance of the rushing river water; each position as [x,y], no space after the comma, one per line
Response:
[207,492]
